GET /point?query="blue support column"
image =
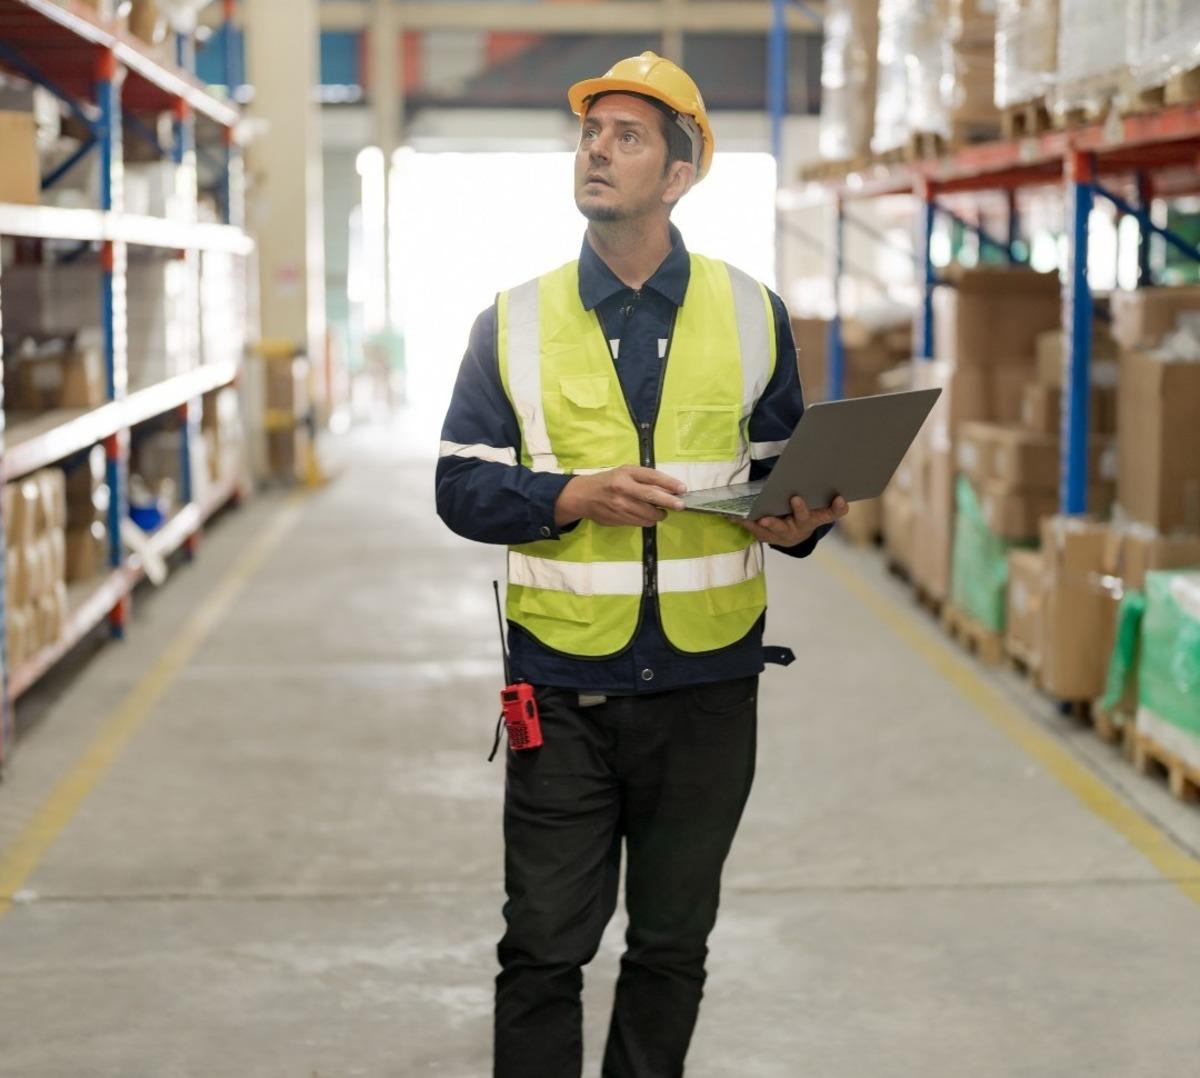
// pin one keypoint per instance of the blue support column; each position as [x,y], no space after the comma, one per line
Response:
[1014,225]
[1077,325]
[835,357]
[777,76]
[923,335]
[113,307]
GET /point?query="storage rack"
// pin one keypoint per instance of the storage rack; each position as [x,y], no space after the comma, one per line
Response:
[106,78]
[1132,150]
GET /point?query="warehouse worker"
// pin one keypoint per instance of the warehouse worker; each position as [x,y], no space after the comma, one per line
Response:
[588,400]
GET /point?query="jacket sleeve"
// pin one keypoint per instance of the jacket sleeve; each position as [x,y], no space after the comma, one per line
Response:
[776,415]
[483,493]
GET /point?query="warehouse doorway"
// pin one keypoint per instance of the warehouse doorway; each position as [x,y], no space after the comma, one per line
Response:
[465,225]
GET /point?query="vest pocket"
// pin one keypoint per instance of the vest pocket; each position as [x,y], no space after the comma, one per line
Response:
[707,431]
[586,391]
[558,605]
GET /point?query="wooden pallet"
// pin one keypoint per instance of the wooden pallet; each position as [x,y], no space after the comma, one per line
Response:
[1183,88]
[1109,729]
[1026,119]
[1020,661]
[1183,779]
[927,600]
[925,145]
[985,644]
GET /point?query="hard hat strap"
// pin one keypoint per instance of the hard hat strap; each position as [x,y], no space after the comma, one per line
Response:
[692,130]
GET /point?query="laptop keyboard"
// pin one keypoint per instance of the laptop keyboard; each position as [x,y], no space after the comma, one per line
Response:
[733,505]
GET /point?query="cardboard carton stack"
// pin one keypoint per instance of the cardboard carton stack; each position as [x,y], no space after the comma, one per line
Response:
[40,379]
[20,175]
[224,436]
[36,600]
[986,324]
[871,347]
[87,498]
[288,405]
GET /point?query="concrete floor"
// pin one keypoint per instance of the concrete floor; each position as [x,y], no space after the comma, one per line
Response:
[293,865]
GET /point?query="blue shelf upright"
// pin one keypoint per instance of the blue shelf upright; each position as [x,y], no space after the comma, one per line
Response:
[1080,175]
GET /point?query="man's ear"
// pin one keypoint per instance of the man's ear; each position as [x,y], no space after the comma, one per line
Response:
[681,176]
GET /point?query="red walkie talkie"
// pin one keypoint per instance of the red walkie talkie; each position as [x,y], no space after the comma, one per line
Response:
[518,705]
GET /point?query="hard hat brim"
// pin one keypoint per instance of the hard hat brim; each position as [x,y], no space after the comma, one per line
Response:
[579,94]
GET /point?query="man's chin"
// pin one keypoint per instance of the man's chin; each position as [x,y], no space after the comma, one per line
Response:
[595,211]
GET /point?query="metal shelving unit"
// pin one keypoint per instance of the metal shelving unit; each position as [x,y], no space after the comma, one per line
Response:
[1118,160]
[106,77]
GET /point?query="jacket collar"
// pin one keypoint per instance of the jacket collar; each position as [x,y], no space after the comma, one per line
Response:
[597,282]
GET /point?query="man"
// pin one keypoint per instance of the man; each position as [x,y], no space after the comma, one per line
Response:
[588,400]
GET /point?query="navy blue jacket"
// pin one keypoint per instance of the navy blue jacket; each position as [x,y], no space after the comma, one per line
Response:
[497,502]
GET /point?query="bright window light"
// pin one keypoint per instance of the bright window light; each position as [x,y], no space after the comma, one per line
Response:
[465,226]
[1127,253]
[372,283]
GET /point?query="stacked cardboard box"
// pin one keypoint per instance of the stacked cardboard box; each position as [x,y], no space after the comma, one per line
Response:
[288,404]
[1158,478]
[971,94]
[87,497]
[20,178]
[871,348]
[41,379]
[848,66]
[224,436]
[986,324]
[36,600]
[1015,474]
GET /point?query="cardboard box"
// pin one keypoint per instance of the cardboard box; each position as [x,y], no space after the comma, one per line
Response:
[1022,459]
[864,522]
[86,487]
[898,521]
[1134,550]
[1048,353]
[991,315]
[20,177]
[84,381]
[1158,470]
[1041,409]
[1079,621]
[52,499]
[1014,514]
[1023,631]
[17,578]
[1142,318]
[933,531]
[86,552]
[19,623]
[287,385]
[22,515]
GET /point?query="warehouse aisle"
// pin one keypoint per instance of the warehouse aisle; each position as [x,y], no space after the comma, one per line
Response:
[292,865]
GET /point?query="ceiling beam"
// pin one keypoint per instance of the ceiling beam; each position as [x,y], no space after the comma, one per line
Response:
[598,17]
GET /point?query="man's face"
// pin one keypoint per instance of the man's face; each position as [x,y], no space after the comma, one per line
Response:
[620,163]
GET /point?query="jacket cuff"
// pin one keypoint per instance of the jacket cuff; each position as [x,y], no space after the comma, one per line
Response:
[544,492]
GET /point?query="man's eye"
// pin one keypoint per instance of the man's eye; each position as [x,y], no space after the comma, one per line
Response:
[590,133]
[629,137]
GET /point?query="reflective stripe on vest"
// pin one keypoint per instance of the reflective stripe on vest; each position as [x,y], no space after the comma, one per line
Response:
[581,594]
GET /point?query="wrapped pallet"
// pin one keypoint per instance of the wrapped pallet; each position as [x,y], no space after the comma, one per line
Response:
[914,60]
[979,562]
[1168,714]
[1091,55]
[848,78]
[1164,41]
[1026,50]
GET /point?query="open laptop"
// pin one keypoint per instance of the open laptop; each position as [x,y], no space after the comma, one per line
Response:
[847,447]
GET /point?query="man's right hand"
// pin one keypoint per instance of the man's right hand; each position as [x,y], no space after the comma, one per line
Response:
[622,496]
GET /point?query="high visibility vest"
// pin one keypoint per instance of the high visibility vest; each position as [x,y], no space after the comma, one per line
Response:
[581,594]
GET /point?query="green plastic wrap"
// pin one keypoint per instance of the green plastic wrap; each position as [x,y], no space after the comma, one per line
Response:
[979,562]
[1123,665]
[1169,671]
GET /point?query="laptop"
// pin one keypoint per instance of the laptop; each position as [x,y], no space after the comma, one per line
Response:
[847,447]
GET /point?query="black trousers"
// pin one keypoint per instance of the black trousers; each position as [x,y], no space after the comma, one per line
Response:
[669,774]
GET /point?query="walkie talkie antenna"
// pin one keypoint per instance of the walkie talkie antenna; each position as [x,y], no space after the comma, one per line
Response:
[500,622]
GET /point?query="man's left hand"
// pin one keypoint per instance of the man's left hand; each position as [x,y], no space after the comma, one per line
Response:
[797,528]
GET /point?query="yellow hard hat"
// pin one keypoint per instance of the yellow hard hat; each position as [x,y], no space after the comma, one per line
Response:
[653,76]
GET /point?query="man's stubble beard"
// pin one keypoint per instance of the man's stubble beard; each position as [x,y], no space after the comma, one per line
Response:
[600,214]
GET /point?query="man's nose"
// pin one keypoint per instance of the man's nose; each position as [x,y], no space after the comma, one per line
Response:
[598,150]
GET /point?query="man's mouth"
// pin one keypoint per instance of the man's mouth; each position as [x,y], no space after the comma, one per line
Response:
[598,179]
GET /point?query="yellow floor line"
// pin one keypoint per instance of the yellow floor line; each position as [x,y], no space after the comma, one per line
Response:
[1174,862]
[18,862]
